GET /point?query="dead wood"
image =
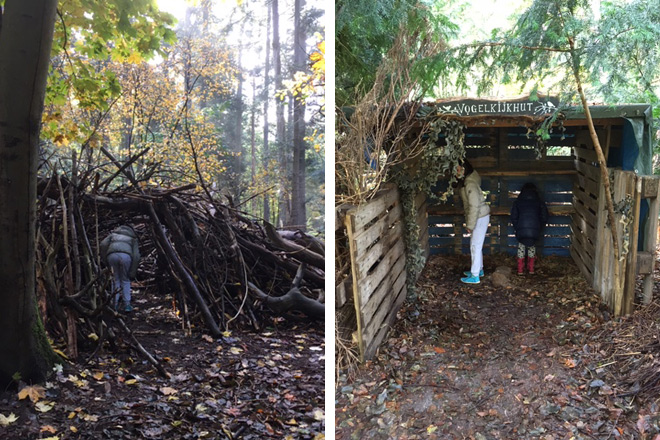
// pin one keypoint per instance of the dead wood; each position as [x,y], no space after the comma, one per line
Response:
[301,253]
[207,255]
[293,300]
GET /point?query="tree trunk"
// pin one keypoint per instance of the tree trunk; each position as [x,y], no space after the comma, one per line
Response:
[280,135]
[253,144]
[25,42]
[299,214]
[236,130]
[266,158]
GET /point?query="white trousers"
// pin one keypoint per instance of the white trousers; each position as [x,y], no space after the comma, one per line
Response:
[477,244]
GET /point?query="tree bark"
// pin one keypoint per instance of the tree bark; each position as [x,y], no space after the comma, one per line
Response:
[298,214]
[266,153]
[280,137]
[25,44]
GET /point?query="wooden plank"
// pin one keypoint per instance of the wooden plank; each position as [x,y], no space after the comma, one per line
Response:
[587,184]
[443,211]
[365,238]
[645,262]
[341,293]
[623,185]
[584,268]
[631,259]
[586,214]
[368,284]
[602,251]
[387,324]
[378,312]
[587,170]
[366,213]
[586,154]
[652,189]
[650,186]
[585,247]
[350,229]
[367,258]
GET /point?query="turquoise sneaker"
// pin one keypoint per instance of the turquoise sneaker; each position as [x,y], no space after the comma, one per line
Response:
[467,273]
[128,308]
[470,280]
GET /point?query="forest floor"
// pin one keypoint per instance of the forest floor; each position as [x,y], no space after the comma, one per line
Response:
[248,385]
[537,359]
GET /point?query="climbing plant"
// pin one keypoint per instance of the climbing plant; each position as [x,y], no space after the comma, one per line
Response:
[437,159]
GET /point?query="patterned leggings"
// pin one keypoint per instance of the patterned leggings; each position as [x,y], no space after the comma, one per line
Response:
[531,251]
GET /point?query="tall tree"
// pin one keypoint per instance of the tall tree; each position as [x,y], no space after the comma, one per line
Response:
[26,38]
[298,212]
[266,148]
[280,124]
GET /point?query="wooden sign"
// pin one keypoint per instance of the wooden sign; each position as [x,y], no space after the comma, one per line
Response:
[475,107]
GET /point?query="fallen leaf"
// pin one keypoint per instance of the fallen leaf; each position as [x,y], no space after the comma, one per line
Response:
[48,428]
[98,376]
[431,429]
[207,338]
[73,428]
[90,417]
[439,350]
[131,382]
[569,363]
[319,415]
[235,350]
[44,406]
[168,391]
[34,392]
[8,420]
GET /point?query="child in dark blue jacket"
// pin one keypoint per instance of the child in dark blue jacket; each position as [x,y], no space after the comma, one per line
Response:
[529,215]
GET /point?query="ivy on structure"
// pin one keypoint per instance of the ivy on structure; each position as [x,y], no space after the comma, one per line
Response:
[420,176]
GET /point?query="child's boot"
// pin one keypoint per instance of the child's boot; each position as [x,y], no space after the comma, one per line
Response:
[530,265]
[521,266]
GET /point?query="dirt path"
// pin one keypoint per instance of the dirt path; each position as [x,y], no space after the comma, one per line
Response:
[246,385]
[487,362]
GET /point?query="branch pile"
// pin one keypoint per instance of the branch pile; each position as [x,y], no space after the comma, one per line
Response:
[221,267]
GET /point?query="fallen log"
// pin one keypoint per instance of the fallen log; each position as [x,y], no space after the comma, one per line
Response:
[293,300]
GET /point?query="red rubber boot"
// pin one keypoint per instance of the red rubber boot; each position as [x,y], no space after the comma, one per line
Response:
[530,265]
[521,266]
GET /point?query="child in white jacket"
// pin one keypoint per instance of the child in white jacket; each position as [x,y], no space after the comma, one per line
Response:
[477,217]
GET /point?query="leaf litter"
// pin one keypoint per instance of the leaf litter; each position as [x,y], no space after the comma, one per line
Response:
[246,385]
[538,357]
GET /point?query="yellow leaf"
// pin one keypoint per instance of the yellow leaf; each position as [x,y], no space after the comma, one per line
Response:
[71,415]
[93,336]
[131,382]
[73,428]
[56,437]
[61,353]
[98,375]
[7,420]
[90,418]
[319,437]
[431,429]
[235,350]
[44,406]
[34,392]
[292,422]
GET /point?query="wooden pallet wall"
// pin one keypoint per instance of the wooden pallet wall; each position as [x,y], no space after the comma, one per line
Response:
[505,159]
[378,267]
